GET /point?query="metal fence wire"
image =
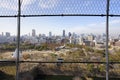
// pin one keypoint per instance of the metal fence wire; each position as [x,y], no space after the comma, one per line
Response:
[33,8]
[53,7]
[57,7]
[8,7]
[114,7]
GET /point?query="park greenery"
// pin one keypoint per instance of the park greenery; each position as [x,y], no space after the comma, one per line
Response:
[77,53]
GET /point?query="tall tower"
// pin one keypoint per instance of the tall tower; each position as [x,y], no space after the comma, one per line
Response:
[119,37]
[2,34]
[7,34]
[50,34]
[33,33]
[63,33]
[69,34]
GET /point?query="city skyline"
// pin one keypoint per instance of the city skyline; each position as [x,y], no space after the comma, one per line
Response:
[38,38]
[56,24]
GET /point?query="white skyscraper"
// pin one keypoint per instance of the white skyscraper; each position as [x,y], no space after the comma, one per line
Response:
[33,32]
[63,33]
[2,34]
[50,34]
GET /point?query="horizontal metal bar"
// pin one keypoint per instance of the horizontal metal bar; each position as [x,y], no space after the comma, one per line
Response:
[7,62]
[13,16]
[101,15]
[67,62]
[61,15]
[53,15]
[58,62]
[114,15]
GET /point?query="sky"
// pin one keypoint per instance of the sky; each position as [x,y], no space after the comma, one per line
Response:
[44,25]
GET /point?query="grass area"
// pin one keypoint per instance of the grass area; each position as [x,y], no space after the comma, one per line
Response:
[4,76]
[8,68]
[7,71]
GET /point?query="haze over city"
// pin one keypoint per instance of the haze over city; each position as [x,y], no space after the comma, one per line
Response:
[78,25]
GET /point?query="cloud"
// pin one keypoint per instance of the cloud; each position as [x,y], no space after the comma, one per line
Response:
[8,4]
[115,22]
[13,4]
[97,27]
[47,4]
[87,29]
[25,3]
[114,1]
[87,3]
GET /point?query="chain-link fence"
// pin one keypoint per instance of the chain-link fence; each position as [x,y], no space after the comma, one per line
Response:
[114,7]
[70,69]
[58,7]
[7,70]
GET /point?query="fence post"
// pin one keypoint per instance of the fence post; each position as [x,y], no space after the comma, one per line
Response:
[107,39]
[18,39]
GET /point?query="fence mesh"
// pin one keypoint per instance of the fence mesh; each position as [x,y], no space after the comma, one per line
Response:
[65,69]
[69,70]
[8,7]
[55,7]
[114,70]
[115,7]
[7,71]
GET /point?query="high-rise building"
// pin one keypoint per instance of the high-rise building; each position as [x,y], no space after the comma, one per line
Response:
[33,33]
[63,33]
[119,37]
[74,35]
[28,34]
[50,34]
[7,34]
[90,37]
[69,34]
[2,34]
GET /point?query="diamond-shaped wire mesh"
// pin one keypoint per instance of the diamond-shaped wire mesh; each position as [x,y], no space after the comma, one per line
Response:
[70,69]
[114,70]
[94,71]
[8,7]
[52,7]
[115,7]
[7,71]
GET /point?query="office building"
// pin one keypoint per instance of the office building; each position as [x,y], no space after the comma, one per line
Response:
[7,34]
[90,37]
[2,34]
[69,34]
[63,33]
[50,34]
[33,33]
